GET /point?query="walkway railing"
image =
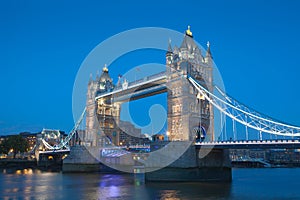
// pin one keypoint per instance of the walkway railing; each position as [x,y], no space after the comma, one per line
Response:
[134,84]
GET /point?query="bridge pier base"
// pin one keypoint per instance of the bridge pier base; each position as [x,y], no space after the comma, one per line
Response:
[84,159]
[50,160]
[215,166]
[80,160]
[191,166]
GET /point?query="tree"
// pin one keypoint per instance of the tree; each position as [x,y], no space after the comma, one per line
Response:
[15,142]
[4,148]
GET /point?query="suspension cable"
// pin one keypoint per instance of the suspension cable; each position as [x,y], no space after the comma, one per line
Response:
[64,143]
[270,126]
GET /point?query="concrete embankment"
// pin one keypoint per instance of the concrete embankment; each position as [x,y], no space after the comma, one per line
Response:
[17,163]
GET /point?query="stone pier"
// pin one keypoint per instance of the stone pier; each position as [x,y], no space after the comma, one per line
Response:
[80,160]
[87,159]
[191,166]
[215,166]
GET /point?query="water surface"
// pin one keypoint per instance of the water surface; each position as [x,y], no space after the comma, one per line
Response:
[268,183]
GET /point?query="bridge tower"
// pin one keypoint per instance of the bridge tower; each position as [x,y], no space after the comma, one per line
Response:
[101,115]
[108,112]
[187,110]
[88,138]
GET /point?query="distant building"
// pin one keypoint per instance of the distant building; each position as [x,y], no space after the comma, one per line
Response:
[283,157]
[129,135]
[31,138]
[237,154]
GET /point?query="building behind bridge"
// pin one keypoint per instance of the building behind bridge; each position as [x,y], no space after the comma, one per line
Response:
[275,157]
[31,139]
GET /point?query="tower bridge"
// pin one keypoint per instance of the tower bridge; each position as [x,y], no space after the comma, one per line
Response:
[191,98]
[185,111]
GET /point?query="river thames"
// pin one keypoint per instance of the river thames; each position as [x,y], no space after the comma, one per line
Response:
[262,183]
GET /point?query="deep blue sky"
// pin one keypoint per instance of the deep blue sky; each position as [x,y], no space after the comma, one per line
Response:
[255,45]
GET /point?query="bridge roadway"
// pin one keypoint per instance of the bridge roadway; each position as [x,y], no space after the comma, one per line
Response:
[148,86]
[252,144]
[62,151]
[241,144]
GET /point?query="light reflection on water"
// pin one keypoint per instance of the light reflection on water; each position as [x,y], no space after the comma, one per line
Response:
[247,184]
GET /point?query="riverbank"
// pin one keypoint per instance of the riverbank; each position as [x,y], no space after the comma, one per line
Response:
[11,163]
[20,164]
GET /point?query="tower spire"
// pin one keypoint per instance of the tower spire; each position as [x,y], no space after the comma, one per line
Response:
[208,57]
[169,54]
[189,32]
[169,46]
[208,52]
[105,69]
[97,75]
[91,78]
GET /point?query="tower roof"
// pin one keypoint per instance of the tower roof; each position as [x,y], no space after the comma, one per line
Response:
[188,41]
[105,69]
[105,76]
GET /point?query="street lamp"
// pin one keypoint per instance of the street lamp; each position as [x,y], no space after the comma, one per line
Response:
[168,134]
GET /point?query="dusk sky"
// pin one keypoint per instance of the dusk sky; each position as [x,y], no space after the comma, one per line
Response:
[255,45]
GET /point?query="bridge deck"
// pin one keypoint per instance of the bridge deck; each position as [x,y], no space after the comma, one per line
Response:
[148,86]
[55,151]
[252,144]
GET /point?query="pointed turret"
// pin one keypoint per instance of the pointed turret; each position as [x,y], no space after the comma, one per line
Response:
[208,52]
[169,54]
[170,47]
[97,75]
[91,78]
[208,55]
[176,50]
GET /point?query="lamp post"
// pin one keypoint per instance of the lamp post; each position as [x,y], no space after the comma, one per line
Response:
[168,134]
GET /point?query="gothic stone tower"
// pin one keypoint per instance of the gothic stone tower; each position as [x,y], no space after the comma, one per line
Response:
[101,115]
[187,110]
[90,135]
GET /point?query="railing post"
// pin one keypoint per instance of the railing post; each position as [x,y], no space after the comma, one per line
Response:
[246,129]
[233,129]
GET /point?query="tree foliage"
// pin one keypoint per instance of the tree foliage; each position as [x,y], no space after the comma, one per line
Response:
[15,142]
